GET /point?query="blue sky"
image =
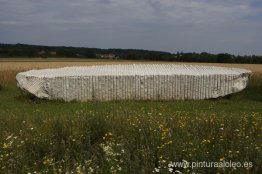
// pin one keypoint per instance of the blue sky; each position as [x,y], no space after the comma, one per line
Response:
[215,26]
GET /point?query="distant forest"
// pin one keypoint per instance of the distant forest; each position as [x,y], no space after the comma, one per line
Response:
[33,51]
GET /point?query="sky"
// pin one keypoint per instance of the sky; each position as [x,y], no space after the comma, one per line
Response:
[215,26]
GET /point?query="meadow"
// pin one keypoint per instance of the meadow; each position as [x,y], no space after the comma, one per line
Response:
[40,136]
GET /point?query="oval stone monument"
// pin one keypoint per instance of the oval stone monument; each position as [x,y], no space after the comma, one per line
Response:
[133,82]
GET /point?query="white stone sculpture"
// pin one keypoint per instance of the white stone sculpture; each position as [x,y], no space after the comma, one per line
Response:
[133,82]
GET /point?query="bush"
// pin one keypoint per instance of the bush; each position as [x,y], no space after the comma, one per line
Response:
[1,87]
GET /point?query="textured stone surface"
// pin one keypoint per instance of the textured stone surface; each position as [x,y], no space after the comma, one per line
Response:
[133,82]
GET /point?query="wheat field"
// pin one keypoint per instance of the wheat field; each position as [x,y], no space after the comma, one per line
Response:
[26,64]
[8,69]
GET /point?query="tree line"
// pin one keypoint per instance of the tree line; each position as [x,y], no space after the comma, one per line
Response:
[32,51]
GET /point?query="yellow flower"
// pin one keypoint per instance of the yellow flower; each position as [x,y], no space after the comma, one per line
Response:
[222,159]
[167,130]
[4,146]
[169,142]
[206,141]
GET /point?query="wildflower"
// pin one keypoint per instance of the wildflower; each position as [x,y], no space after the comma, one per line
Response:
[47,161]
[91,170]
[4,146]
[169,142]
[157,170]
[222,159]
[10,136]
[112,168]
[206,141]
[108,134]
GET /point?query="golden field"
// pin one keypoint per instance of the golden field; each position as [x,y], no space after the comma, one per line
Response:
[26,64]
[18,65]
[10,67]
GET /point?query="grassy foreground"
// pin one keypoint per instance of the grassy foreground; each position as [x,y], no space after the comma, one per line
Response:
[39,136]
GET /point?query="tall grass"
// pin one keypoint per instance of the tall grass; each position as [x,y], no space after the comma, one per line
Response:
[39,136]
[7,77]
